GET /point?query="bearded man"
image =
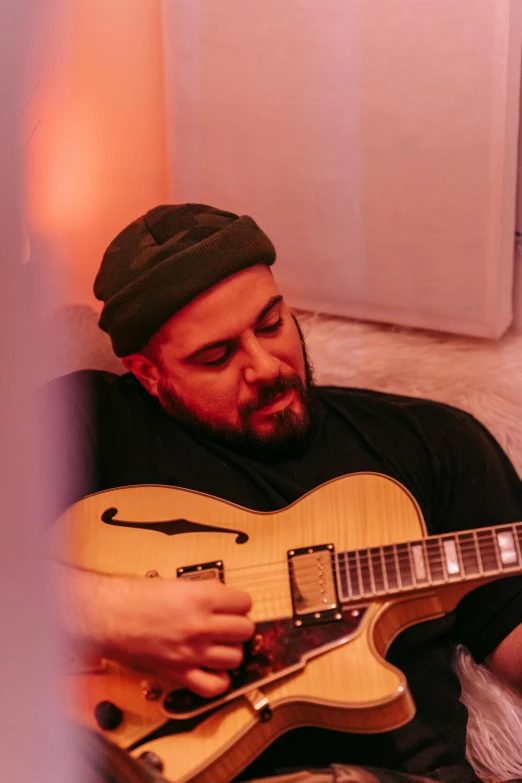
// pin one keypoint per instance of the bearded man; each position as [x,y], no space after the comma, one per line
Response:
[219,397]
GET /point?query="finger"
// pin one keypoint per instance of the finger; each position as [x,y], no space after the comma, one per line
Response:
[204,683]
[222,656]
[228,600]
[229,628]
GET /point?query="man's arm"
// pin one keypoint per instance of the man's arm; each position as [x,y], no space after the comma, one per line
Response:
[479,487]
[506,660]
[186,632]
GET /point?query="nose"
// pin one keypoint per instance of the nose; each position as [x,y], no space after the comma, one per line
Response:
[261,366]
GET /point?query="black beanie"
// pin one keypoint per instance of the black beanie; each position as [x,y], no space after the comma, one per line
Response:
[163,260]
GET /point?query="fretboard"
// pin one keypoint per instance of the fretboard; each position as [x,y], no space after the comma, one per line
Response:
[436,560]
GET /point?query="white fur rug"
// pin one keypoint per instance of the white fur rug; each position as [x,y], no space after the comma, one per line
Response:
[479,376]
[485,379]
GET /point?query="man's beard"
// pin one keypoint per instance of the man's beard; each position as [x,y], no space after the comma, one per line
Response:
[290,433]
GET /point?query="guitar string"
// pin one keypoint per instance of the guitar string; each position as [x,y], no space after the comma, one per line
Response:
[408,579]
[362,589]
[358,592]
[438,571]
[397,559]
[485,540]
[466,548]
[362,585]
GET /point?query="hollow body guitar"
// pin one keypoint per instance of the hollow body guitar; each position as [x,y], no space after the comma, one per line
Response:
[333,579]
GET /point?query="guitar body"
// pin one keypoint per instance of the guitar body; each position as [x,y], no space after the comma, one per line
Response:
[345,684]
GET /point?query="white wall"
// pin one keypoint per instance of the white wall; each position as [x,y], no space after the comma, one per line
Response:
[374,140]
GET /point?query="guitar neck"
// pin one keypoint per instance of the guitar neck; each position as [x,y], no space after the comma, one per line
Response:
[467,556]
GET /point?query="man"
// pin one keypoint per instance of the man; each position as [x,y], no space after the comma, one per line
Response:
[220,398]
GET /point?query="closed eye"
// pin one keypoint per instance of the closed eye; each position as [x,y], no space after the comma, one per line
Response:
[270,327]
[220,359]
[224,352]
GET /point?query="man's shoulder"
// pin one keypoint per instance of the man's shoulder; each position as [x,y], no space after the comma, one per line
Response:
[96,389]
[93,381]
[428,414]
[375,398]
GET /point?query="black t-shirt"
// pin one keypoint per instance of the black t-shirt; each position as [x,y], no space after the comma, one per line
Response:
[455,469]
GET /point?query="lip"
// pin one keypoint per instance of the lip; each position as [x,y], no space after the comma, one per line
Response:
[280,403]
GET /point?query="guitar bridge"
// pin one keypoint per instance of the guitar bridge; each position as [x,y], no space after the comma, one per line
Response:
[313,585]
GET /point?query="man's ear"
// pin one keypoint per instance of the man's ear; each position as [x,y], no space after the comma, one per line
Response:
[144,369]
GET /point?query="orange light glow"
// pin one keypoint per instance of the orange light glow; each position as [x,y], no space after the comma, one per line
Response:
[97,158]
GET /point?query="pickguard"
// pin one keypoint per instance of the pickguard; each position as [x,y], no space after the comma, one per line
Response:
[277,646]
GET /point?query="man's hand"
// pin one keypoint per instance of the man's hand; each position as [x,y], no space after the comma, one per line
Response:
[188,633]
[185,631]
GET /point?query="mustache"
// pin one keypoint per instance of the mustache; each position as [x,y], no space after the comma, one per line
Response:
[266,394]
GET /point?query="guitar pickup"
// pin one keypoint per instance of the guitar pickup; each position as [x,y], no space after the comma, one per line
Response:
[214,570]
[313,585]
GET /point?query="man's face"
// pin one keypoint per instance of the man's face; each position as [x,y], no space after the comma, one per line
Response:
[232,364]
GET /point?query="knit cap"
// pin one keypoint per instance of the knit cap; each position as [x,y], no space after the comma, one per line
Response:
[164,259]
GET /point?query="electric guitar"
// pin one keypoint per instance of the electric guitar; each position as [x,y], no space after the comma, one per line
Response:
[334,578]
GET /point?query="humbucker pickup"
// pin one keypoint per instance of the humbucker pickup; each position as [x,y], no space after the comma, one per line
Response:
[313,584]
[214,570]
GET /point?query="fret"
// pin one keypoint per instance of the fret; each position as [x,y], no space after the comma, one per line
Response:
[427,560]
[343,574]
[409,552]
[468,554]
[377,569]
[458,549]
[353,575]
[435,563]
[359,571]
[429,578]
[497,549]
[419,560]
[442,560]
[508,554]
[406,575]
[370,572]
[451,555]
[397,566]
[390,568]
[488,551]
[384,572]
[518,541]
[365,572]
[477,549]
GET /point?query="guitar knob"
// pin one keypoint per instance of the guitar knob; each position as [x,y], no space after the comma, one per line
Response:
[152,760]
[108,715]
